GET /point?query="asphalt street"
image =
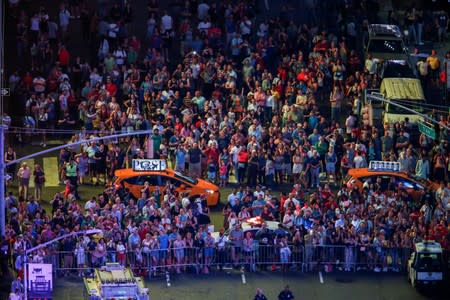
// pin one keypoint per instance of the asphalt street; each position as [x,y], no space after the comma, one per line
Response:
[218,286]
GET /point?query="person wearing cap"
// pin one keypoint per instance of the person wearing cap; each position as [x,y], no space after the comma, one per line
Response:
[286,294]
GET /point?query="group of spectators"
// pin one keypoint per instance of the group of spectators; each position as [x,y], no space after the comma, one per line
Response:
[254,101]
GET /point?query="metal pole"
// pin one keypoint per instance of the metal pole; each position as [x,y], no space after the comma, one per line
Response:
[25,273]
[106,137]
[412,111]
[2,128]
[2,179]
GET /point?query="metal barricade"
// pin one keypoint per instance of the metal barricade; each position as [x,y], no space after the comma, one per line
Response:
[309,258]
[355,258]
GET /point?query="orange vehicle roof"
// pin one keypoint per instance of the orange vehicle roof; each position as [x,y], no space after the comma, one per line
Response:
[130,172]
[362,172]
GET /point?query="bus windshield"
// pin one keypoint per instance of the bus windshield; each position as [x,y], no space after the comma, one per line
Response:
[429,262]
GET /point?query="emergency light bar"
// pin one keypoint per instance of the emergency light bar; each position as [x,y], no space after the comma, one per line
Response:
[384,166]
[143,165]
[384,30]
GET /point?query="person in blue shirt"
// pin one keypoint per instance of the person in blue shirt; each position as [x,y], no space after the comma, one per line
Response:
[314,137]
[257,206]
[180,159]
[163,240]
[313,121]
[32,207]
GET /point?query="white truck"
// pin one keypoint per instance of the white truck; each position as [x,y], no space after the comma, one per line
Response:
[426,265]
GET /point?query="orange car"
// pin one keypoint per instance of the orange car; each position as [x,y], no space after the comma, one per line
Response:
[414,186]
[142,172]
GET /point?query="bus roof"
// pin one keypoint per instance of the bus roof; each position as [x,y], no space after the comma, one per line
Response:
[429,246]
[402,89]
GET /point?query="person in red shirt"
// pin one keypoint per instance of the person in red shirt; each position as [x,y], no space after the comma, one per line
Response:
[135,43]
[242,164]
[28,81]
[64,57]
[212,154]
[110,87]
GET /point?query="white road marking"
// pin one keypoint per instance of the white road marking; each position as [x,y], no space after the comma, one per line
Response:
[168,279]
[320,277]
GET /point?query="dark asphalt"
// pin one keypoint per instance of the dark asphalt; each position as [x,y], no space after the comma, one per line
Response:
[304,286]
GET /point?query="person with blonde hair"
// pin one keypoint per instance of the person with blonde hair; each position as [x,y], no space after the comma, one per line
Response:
[24,175]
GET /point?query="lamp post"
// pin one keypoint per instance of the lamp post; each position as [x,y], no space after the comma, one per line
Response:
[2,126]
[40,246]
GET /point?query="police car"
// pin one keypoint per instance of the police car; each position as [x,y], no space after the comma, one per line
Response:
[426,264]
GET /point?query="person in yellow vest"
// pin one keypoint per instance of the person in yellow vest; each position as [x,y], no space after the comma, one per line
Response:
[434,64]
[71,172]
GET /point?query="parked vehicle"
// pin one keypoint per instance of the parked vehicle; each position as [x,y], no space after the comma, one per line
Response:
[426,265]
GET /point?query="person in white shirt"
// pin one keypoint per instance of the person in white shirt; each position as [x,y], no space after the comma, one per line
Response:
[289,200]
[288,219]
[233,197]
[359,161]
[91,204]
[258,192]
[263,29]
[350,123]
[340,222]
[166,22]
[370,64]
[422,68]
[34,26]
[39,84]
[120,56]
[204,25]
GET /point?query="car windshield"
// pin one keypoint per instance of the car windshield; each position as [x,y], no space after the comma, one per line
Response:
[416,105]
[385,46]
[398,71]
[186,178]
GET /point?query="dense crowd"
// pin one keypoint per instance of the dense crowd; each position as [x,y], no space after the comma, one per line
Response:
[252,102]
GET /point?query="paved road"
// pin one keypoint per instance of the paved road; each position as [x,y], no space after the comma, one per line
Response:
[304,286]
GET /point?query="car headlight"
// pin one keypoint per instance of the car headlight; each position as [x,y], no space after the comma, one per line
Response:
[209,191]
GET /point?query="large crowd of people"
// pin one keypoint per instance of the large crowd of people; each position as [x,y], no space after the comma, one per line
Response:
[252,102]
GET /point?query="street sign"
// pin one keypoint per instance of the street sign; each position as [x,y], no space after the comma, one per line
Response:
[384,166]
[5,92]
[142,165]
[427,129]
[40,275]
